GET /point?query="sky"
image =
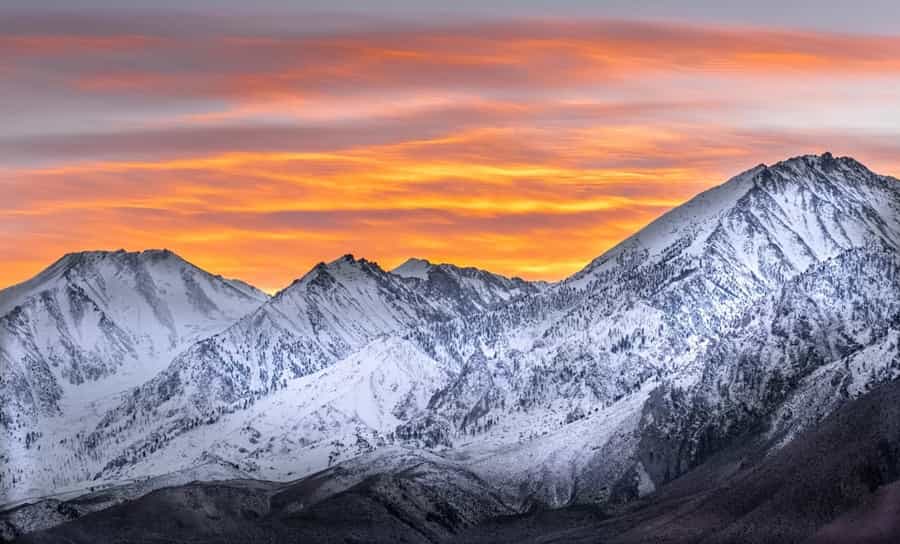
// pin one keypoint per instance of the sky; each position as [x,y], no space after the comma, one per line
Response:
[522,137]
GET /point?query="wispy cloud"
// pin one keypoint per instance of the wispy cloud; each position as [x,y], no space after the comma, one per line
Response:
[528,147]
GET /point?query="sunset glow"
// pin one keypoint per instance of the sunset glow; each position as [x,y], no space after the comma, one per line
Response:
[526,147]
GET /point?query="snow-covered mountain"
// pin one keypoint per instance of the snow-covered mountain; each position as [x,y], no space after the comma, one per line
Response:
[759,307]
[653,310]
[471,289]
[94,324]
[335,312]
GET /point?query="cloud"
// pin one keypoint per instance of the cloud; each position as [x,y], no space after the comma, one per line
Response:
[528,147]
[528,56]
[240,214]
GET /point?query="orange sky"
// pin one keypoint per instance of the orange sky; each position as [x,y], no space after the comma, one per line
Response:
[527,148]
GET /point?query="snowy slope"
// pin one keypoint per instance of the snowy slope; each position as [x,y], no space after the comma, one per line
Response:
[590,459]
[334,312]
[827,336]
[346,409]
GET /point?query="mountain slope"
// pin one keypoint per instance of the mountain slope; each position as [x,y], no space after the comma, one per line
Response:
[827,336]
[842,471]
[346,409]
[333,312]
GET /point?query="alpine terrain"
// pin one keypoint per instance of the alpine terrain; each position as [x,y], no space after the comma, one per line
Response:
[726,374]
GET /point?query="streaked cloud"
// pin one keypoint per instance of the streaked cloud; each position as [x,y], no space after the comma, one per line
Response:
[527,147]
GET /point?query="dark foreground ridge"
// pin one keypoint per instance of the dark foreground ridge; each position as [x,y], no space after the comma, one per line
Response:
[837,483]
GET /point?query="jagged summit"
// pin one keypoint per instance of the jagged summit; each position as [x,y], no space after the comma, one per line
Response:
[826,159]
[349,262]
[89,255]
[474,289]
[802,209]
[419,268]
[825,168]
[344,270]
[413,268]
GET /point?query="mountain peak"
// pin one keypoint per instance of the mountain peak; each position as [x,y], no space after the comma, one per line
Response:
[765,203]
[348,261]
[826,162]
[91,256]
[806,160]
[157,253]
[73,261]
[413,268]
[344,269]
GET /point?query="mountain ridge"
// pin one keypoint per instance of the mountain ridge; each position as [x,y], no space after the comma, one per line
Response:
[766,302]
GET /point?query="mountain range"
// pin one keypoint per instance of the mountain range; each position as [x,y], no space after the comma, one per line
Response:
[662,393]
